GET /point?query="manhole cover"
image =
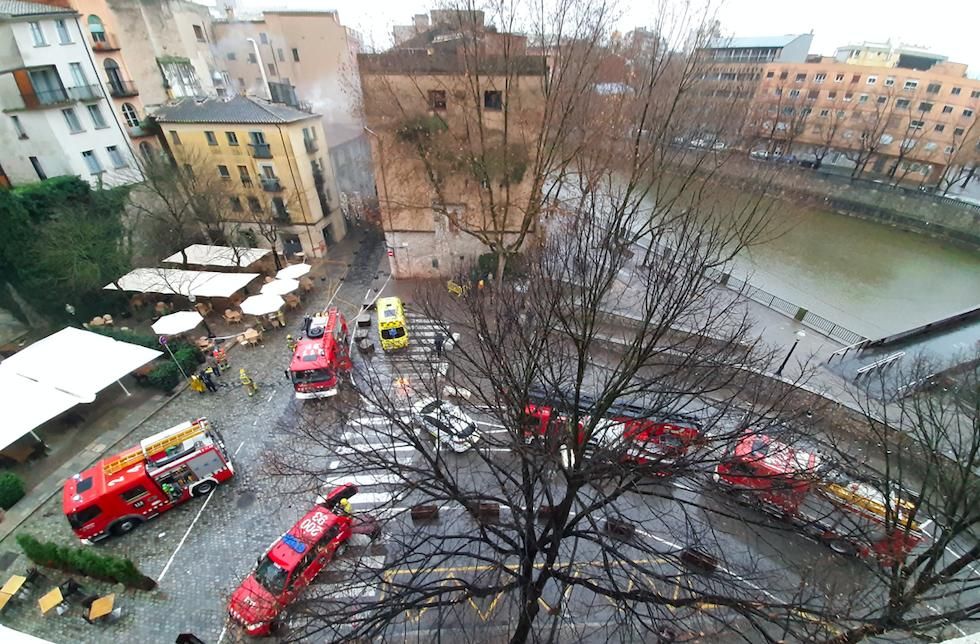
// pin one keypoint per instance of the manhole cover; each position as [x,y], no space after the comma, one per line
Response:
[245,499]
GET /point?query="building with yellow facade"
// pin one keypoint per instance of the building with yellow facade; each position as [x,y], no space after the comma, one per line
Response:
[269,158]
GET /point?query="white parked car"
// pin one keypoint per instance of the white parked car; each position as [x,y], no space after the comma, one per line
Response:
[446,423]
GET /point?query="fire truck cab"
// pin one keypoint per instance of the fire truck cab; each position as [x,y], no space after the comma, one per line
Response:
[321,356]
[120,492]
[850,515]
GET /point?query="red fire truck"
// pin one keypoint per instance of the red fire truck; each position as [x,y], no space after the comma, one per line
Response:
[321,356]
[294,560]
[850,515]
[120,492]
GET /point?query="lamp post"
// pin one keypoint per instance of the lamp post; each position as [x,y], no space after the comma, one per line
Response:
[193,298]
[799,336]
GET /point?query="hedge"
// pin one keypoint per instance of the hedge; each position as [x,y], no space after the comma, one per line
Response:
[11,489]
[165,376]
[84,561]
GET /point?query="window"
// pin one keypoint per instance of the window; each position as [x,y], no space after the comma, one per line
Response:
[199,33]
[251,57]
[232,138]
[281,55]
[272,69]
[18,127]
[212,139]
[819,78]
[813,94]
[77,75]
[933,88]
[38,169]
[254,204]
[947,109]
[848,96]
[925,106]
[975,93]
[96,28]
[74,125]
[295,55]
[129,114]
[840,114]
[783,75]
[94,167]
[882,100]
[968,113]
[280,207]
[244,176]
[231,55]
[263,38]
[800,78]
[911,85]
[955,91]
[96,113]
[939,127]
[62,28]
[863,98]
[902,103]
[916,124]
[928,147]
[241,84]
[856,78]
[839,78]
[794,93]
[890,81]
[236,204]
[83,516]
[872,80]
[37,35]
[174,137]
[146,150]
[493,100]
[116,157]
[949,149]
[137,492]
[885,139]
[958,131]
[789,110]
[223,172]
[770,74]
[831,94]
[824,113]
[437,100]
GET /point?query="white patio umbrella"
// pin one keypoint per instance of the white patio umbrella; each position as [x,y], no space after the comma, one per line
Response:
[177,322]
[280,287]
[262,304]
[294,271]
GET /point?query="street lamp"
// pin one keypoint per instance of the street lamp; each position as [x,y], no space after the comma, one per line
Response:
[799,336]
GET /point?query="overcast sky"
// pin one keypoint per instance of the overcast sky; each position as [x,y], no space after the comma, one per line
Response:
[947,27]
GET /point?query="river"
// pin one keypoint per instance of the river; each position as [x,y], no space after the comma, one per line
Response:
[868,277]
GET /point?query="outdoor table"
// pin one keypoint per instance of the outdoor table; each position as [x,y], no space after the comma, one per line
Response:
[50,600]
[101,607]
[252,336]
[13,584]
[4,598]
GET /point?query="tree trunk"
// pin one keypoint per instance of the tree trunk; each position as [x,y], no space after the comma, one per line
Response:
[501,265]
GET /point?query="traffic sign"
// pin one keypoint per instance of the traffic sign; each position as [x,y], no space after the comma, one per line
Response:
[163,340]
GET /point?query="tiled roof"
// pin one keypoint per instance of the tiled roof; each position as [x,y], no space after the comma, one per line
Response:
[753,42]
[17,8]
[238,109]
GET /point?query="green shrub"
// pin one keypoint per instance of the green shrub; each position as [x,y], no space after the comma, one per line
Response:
[188,358]
[83,561]
[165,376]
[142,339]
[11,489]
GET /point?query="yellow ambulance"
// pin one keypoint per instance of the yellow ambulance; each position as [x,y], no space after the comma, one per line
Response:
[391,323]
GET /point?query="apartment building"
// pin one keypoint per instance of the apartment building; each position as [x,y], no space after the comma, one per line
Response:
[269,156]
[899,113]
[57,115]
[306,59]
[425,92]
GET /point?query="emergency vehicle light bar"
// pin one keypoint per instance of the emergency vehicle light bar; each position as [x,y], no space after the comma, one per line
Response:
[298,546]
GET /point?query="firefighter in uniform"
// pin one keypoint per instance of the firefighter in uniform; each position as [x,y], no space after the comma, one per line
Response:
[197,384]
[221,358]
[247,382]
[281,317]
[345,507]
[290,342]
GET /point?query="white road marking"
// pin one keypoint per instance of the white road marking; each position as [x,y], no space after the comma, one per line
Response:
[488,424]
[271,396]
[184,538]
[375,447]
[224,629]
[368,498]
[239,448]
[369,422]
[363,480]
[333,465]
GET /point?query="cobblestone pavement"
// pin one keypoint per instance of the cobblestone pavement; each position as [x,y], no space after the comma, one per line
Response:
[198,568]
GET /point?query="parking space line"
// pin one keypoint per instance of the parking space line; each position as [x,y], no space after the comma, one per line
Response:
[184,538]
[239,448]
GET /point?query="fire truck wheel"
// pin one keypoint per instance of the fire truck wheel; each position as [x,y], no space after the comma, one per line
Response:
[204,488]
[124,526]
[843,547]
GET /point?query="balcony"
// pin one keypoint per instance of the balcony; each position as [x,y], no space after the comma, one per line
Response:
[105,41]
[311,145]
[40,99]
[260,150]
[122,89]
[85,93]
[271,184]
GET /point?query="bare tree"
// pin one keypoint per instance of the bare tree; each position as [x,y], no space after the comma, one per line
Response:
[910,122]
[961,157]
[869,125]
[828,131]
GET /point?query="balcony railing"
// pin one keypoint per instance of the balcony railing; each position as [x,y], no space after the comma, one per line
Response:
[46,97]
[281,214]
[260,150]
[271,184]
[105,42]
[85,93]
[122,89]
[311,145]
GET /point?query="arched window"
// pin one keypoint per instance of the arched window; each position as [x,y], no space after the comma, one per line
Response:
[146,149]
[114,76]
[96,28]
[129,113]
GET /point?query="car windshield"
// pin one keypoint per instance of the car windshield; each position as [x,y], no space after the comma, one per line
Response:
[391,334]
[466,430]
[271,576]
[310,375]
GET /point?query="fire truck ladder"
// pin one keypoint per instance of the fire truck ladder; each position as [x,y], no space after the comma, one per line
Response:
[852,494]
[196,428]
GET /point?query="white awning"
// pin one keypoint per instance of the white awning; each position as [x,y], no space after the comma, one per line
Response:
[60,371]
[204,255]
[174,281]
